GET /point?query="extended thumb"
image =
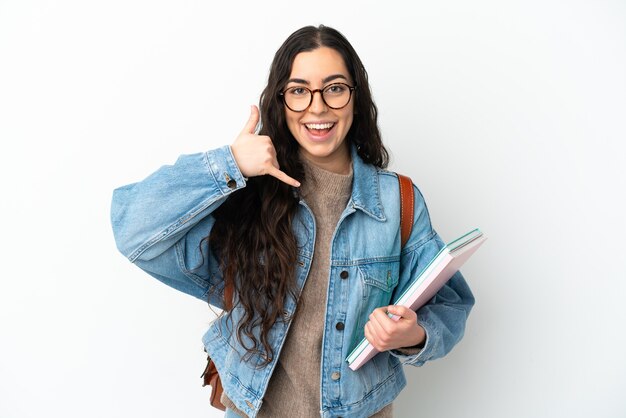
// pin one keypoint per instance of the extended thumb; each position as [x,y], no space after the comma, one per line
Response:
[253,120]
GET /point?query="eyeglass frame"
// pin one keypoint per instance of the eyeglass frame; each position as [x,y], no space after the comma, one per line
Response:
[321,91]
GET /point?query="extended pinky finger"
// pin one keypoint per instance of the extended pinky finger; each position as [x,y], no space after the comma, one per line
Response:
[280,175]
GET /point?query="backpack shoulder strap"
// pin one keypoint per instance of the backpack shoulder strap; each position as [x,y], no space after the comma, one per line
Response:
[228,296]
[406,207]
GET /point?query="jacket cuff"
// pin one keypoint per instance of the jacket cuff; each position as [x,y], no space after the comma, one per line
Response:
[225,170]
[418,356]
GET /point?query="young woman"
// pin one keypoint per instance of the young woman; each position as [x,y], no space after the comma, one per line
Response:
[302,221]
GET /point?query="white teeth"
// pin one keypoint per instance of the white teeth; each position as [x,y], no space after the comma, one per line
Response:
[319,125]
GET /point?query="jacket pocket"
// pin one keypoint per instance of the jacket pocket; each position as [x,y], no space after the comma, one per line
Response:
[379,279]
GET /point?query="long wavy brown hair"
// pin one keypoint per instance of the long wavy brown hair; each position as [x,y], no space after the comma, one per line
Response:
[252,235]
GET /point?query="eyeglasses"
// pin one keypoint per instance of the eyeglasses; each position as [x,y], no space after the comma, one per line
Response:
[336,96]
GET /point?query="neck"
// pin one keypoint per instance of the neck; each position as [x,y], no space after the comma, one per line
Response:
[338,162]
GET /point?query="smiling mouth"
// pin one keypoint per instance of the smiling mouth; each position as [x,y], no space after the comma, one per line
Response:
[319,128]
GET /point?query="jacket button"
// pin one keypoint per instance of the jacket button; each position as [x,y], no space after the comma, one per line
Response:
[335,375]
[344,274]
[231,183]
[340,326]
[249,404]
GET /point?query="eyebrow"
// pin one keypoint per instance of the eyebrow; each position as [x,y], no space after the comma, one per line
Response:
[324,81]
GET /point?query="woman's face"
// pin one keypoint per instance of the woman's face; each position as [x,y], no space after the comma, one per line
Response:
[320,130]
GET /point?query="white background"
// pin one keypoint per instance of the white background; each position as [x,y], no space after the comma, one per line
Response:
[509,115]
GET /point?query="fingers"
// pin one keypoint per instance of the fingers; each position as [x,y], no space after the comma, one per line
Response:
[374,330]
[376,335]
[253,120]
[381,320]
[370,337]
[275,172]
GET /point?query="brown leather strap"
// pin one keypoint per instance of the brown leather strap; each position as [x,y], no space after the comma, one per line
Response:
[406,207]
[212,378]
[228,296]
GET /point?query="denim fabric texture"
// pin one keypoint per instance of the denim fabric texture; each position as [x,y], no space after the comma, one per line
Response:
[230,414]
[160,222]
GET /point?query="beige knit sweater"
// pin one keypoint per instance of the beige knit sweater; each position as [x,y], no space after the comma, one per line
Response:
[294,388]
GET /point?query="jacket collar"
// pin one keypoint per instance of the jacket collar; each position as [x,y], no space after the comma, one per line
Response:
[366,187]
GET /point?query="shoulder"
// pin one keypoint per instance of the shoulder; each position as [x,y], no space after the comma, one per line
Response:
[390,187]
[389,184]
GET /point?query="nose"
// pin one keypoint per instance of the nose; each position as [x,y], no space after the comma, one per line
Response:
[317,104]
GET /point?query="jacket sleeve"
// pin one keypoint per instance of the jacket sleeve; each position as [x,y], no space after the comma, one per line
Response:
[444,316]
[160,222]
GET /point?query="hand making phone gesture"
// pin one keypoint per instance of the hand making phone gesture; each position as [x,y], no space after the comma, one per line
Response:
[255,154]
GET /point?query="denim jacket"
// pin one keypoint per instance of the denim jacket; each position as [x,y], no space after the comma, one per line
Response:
[160,222]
